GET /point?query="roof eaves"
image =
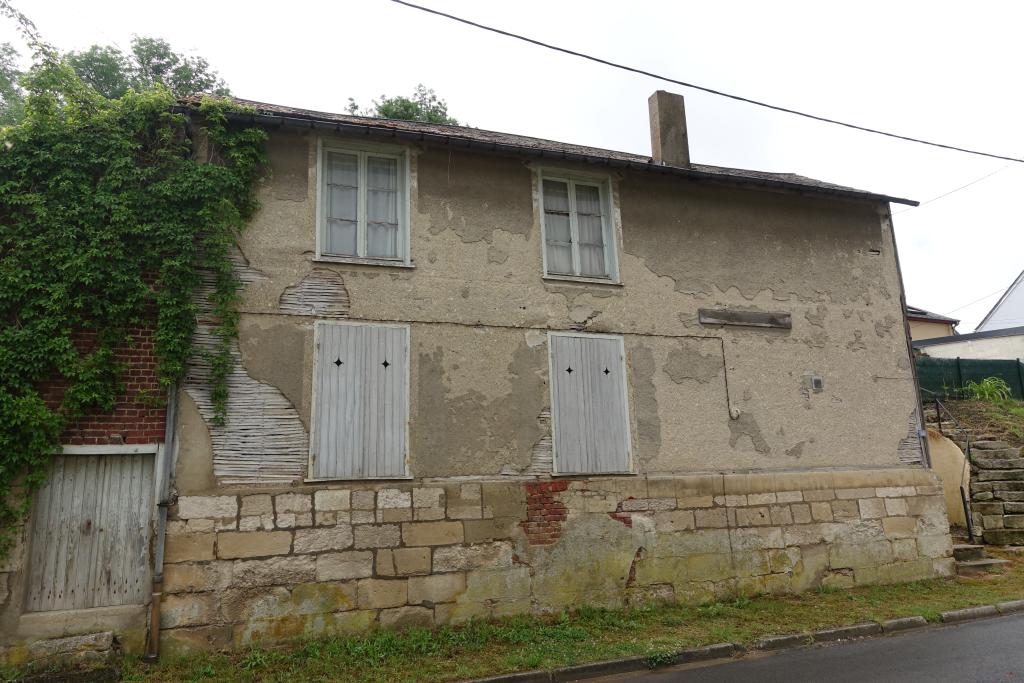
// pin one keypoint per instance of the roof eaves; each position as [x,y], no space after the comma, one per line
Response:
[990,334]
[306,119]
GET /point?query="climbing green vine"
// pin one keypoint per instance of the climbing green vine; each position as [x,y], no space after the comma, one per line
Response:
[111,214]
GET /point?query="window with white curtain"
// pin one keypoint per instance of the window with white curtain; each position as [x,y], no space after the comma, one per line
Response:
[578,240]
[362,205]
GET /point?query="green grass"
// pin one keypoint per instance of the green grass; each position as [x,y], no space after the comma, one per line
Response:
[587,634]
[1003,419]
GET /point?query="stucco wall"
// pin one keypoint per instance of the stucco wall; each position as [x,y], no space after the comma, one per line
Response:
[992,348]
[921,329]
[949,463]
[479,309]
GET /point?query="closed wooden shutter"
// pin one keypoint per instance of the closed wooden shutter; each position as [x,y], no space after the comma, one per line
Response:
[361,408]
[90,533]
[588,389]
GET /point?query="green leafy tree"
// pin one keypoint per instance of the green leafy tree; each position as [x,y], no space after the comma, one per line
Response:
[424,105]
[12,99]
[149,62]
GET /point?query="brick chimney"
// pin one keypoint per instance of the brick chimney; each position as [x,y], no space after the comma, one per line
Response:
[669,145]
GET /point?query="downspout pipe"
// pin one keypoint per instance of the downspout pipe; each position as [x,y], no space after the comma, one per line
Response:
[163,499]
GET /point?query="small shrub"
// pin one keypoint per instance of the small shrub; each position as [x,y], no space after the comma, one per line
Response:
[990,389]
[656,659]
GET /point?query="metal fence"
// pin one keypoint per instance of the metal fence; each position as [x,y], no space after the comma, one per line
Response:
[947,377]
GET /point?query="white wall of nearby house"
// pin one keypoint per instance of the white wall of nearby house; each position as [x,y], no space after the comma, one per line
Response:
[1008,311]
[992,348]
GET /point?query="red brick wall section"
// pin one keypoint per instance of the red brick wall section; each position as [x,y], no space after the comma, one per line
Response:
[620,516]
[544,513]
[136,418]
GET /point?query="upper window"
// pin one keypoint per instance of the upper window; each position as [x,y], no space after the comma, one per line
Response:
[363,205]
[578,237]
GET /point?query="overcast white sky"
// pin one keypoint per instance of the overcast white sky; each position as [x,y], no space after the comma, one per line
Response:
[935,70]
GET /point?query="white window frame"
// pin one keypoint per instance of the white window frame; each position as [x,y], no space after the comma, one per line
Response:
[362,150]
[317,360]
[608,231]
[630,463]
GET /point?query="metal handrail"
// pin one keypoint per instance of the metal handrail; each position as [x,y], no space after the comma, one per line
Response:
[940,410]
[958,430]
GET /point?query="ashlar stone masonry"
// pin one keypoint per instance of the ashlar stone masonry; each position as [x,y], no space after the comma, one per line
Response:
[271,566]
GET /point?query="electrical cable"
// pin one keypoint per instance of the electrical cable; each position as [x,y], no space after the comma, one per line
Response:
[693,86]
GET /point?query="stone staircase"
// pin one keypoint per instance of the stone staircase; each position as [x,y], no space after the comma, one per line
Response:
[972,560]
[997,492]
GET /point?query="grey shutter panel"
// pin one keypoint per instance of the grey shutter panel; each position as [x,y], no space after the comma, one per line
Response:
[591,421]
[361,404]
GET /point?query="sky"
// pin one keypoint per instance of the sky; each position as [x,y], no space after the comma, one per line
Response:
[942,71]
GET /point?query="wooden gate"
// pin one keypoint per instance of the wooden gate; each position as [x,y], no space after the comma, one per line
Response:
[90,533]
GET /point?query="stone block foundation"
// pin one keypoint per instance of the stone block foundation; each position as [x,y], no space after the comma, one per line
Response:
[269,566]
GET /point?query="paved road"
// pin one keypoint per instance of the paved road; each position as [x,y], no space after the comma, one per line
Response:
[985,650]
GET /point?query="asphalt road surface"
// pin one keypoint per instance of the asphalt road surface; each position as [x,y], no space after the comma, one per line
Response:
[984,650]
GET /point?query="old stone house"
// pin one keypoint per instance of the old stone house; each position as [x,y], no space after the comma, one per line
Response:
[481,374]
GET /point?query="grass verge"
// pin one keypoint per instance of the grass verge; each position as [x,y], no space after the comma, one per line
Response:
[526,642]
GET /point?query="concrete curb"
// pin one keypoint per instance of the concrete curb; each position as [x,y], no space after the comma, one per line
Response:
[766,644]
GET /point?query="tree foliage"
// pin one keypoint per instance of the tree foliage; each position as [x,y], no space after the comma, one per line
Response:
[149,62]
[424,105]
[107,219]
[12,99]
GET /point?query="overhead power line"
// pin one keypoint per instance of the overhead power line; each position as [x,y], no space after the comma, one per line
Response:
[976,301]
[712,91]
[954,190]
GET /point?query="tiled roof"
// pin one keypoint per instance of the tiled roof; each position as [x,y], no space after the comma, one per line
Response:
[921,314]
[506,142]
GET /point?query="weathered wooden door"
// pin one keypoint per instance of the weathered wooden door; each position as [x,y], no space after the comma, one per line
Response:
[588,398]
[360,411]
[90,533]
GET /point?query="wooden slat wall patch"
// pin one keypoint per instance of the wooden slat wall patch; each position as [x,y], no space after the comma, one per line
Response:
[361,405]
[262,439]
[591,420]
[90,533]
[724,316]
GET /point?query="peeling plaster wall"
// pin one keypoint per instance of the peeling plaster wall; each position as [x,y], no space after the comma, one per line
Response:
[479,309]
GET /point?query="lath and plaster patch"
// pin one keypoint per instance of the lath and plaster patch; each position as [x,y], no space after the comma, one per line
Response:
[321,293]
[909,448]
[262,440]
[542,455]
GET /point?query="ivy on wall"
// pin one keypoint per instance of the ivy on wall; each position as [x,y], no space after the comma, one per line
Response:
[109,211]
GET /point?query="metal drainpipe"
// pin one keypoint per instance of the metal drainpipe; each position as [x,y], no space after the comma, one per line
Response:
[163,495]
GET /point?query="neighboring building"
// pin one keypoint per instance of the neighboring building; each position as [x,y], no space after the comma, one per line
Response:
[1008,311]
[481,374]
[997,344]
[927,325]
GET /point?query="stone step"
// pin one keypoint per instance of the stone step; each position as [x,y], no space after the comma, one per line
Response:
[979,486]
[979,567]
[1000,454]
[986,463]
[965,552]
[993,507]
[987,445]
[1004,536]
[1001,475]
